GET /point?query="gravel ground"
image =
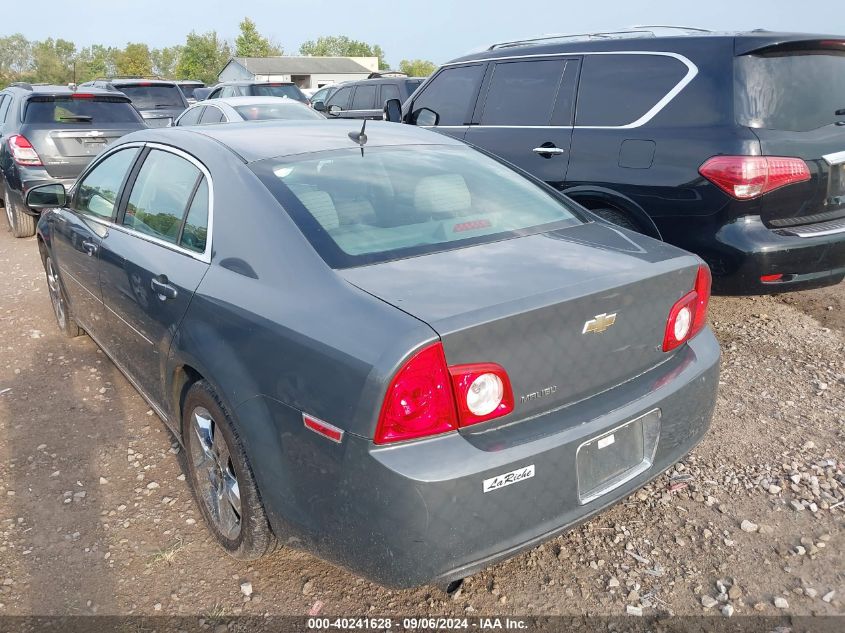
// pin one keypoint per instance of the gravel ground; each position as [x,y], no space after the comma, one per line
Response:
[96,517]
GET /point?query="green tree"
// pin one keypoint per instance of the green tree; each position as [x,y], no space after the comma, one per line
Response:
[417,67]
[95,61]
[164,60]
[134,60]
[15,58]
[203,57]
[250,43]
[52,61]
[342,46]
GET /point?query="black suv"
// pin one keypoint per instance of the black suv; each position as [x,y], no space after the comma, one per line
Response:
[365,99]
[258,89]
[50,134]
[158,101]
[729,145]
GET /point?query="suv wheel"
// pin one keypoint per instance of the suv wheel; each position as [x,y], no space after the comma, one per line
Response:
[619,218]
[221,476]
[58,298]
[21,224]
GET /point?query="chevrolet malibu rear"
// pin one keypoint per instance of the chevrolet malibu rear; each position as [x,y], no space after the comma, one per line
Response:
[387,347]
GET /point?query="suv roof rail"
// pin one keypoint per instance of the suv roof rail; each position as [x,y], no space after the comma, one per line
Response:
[113,77]
[635,31]
[21,84]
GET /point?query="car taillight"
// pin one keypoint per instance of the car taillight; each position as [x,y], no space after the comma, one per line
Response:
[22,151]
[420,401]
[689,314]
[747,177]
[483,392]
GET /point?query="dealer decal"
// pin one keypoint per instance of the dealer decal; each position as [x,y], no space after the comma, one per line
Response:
[515,476]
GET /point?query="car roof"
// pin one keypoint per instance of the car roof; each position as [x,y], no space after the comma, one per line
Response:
[253,82]
[140,82]
[641,40]
[259,140]
[247,100]
[56,89]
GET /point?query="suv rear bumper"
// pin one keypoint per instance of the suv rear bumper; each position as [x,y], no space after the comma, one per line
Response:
[416,512]
[32,177]
[750,250]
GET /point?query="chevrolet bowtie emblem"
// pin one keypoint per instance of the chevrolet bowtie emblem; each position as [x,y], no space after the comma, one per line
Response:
[599,323]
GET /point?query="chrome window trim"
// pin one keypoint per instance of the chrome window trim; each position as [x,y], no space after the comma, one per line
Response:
[692,71]
[205,256]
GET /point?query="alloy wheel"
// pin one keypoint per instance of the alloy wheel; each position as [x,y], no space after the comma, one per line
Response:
[216,481]
[55,288]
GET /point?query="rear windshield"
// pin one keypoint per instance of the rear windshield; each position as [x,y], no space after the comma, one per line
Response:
[277,90]
[399,202]
[793,91]
[188,90]
[277,111]
[152,97]
[72,110]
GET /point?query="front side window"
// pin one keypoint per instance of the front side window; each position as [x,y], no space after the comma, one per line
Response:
[161,195]
[340,98]
[448,99]
[97,193]
[365,97]
[399,202]
[619,89]
[523,93]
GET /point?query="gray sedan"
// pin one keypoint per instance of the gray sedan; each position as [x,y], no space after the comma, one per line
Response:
[238,109]
[386,346]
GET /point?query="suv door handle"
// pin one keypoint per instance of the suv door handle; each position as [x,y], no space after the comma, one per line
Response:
[163,289]
[549,150]
[90,247]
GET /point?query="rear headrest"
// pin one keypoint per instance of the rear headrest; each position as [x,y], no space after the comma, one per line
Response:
[447,193]
[320,205]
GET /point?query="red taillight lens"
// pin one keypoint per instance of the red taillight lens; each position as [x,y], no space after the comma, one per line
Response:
[22,151]
[419,401]
[747,177]
[81,95]
[483,392]
[689,314]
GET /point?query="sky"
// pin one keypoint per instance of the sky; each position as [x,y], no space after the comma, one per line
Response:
[438,30]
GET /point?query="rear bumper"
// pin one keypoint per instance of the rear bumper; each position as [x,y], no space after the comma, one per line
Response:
[32,177]
[416,513]
[751,250]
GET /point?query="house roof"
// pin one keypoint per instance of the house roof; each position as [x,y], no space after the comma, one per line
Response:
[288,65]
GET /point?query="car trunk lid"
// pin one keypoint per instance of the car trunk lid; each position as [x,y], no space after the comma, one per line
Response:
[543,307]
[792,96]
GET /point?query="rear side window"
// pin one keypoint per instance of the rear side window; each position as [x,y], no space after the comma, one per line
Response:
[211,115]
[161,195]
[152,96]
[98,191]
[389,91]
[449,97]
[195,232]
[5,102]
[523,93]
[191,116]
[619,89]
[791,91]
[74,110]
[365,97]
[277,90]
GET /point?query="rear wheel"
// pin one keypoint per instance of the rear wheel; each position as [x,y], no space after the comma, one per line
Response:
[619,218]
[221,476]
[57,297]
[21,224]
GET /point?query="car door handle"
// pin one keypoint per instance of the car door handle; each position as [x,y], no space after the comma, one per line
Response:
[90,247]
[549,150]
[163,289]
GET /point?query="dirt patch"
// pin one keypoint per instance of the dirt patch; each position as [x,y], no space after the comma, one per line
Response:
[95,515]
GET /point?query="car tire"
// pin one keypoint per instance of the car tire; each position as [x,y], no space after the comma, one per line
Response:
[221,477]
[58,297]
[619,218]
[21,224]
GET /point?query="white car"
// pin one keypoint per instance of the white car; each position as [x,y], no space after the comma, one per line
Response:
[237,109]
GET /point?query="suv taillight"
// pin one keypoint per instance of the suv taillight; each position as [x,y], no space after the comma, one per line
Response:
[22,151]
[689,314]
[420,401]
[747,177]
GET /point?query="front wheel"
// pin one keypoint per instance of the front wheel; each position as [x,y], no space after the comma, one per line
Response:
[221,477]
[21,224]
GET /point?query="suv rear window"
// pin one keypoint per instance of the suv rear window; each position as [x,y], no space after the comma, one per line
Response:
[73,110]
[794,91]
[618,89]
[153,96]
[403,201]
[277,90]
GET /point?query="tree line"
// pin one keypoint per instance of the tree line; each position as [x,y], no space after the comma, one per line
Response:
[202,56]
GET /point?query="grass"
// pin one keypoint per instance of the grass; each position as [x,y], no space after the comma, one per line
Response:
[168,554]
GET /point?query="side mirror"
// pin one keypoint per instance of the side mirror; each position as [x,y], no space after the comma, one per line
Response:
[319,106]
[426,117]
[335,109]
[393,111]
[49,196]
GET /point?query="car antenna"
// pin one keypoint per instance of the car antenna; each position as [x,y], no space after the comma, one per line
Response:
[360,137]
